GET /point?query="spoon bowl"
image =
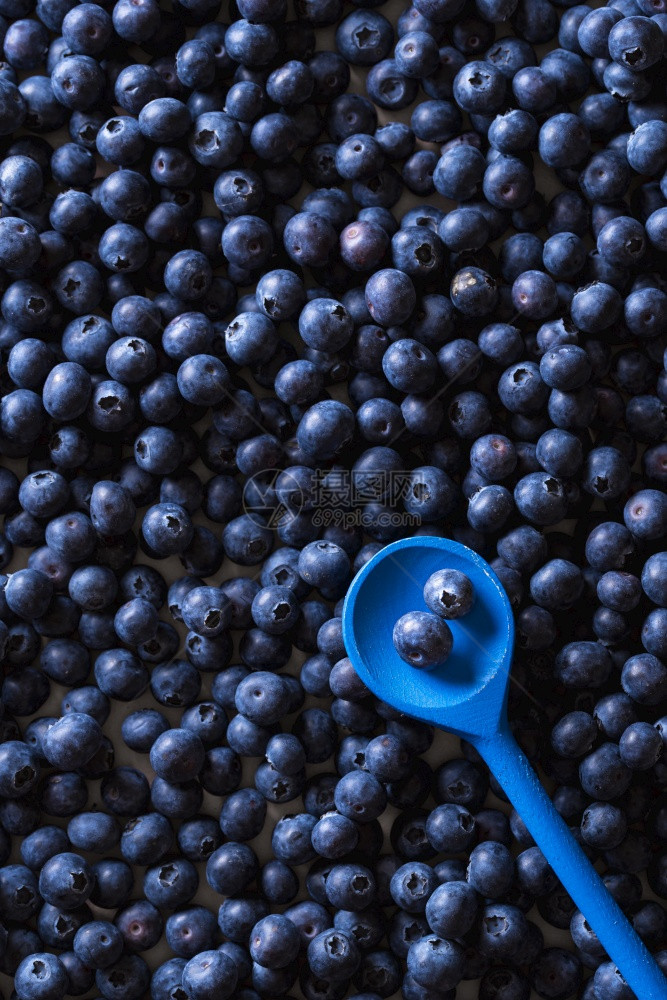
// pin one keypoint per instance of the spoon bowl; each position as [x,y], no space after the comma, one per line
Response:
[467,693]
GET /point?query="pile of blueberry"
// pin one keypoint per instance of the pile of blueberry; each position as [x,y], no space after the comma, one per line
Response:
[423,638]
[234,365]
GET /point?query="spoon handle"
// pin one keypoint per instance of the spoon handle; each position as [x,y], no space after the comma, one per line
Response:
[516,776]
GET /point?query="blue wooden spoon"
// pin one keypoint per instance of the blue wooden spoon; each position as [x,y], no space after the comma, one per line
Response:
[467,695]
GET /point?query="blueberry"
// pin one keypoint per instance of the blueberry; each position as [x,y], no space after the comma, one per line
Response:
[333,955]
[640,746]
[409,366]
[188,275]
[644,308]
[210,973]
[635,42]
[435,962]
[275,609]
[452,906]
[557,962]
[360,796]
[458,174]
[72,741]
[390,297]
[41,976]
[135,23]
[540,498]
[177,755]
[98,944]
[146,839]
[430,493]
[167,529]
[388,87]
[643,678]
[12,107]
[622,241]
[19,769]
[503,981]
[566,367]
[479,88]
[140,729]
[274,942]
[309,239]
[66,881]
[41,845]
[595,307]
[603,775]
[206,611]
[364,38]
[20,180]
[325,324]
[422,640]
[448,594]
[508,185]
[130,971]
[607,977]
[412,885]
[27,593]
